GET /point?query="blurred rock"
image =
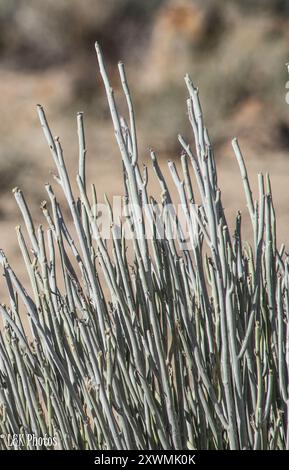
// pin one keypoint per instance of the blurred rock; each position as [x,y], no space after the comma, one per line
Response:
[181,28]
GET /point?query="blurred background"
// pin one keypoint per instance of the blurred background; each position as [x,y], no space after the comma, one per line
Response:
[235,52]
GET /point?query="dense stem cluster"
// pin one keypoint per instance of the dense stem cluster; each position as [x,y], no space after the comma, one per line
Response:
[145,344]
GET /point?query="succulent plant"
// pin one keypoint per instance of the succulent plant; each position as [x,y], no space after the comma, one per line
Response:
[159,341]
